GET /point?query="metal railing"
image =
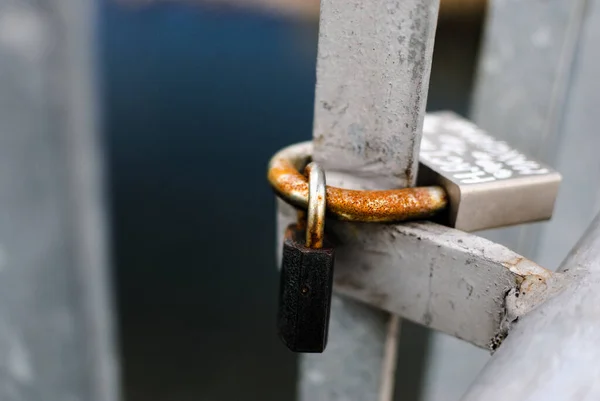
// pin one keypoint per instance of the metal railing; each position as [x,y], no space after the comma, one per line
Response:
[536,87]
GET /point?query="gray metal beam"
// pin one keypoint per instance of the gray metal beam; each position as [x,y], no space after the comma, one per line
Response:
[439,277]
[56,341]
[373,69]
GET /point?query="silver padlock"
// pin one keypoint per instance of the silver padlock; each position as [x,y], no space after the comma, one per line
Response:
[489,184]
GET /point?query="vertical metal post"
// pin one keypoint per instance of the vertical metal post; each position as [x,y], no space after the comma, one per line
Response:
[373,69]
[55,323]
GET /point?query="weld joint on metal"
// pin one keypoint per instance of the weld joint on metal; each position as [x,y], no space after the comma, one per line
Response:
[530,291]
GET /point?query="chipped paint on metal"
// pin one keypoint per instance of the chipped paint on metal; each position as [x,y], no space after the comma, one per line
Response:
[525,267]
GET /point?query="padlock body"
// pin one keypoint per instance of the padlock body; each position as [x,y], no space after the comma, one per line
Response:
[489,184]
[305,293]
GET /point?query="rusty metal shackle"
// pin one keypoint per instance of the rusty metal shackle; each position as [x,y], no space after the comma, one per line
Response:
[379,206]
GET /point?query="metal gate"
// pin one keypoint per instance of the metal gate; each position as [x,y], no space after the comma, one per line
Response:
[536,88]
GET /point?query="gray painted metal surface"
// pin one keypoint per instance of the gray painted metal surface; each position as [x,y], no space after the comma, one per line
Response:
[579,199]
[373,68]
[56,340]
[552,353]
[523,78]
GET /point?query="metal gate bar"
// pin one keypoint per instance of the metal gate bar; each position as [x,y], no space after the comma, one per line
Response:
[56,340]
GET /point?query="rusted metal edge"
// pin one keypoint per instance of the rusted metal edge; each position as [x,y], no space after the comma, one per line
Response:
[393,205]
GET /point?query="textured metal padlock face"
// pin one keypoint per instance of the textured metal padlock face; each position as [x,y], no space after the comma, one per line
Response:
[489,184]
[305,294]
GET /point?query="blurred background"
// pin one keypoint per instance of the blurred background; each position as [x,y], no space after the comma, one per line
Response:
[196,97]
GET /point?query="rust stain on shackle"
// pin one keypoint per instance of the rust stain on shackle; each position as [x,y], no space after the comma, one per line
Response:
[347,204]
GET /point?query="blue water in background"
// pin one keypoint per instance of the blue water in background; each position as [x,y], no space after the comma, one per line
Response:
[196,101]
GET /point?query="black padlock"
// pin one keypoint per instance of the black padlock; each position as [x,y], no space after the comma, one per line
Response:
[307,275]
